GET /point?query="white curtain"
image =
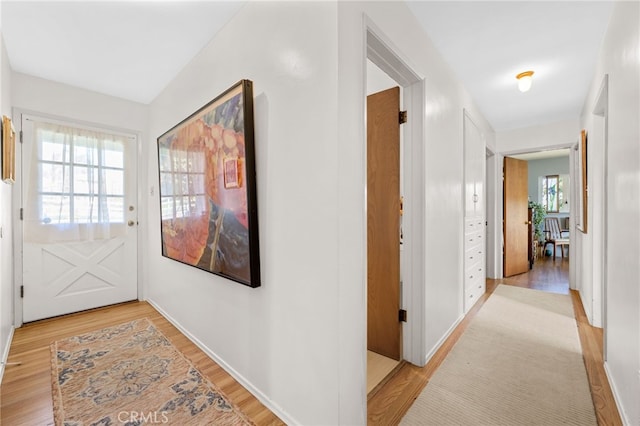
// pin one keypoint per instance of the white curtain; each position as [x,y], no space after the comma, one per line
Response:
[75,190]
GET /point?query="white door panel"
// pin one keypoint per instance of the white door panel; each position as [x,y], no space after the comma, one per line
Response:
[61,276]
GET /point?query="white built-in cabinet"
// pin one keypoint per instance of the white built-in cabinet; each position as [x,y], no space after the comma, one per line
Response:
[474,219]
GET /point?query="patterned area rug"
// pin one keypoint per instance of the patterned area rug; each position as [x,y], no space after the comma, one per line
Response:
[131,374]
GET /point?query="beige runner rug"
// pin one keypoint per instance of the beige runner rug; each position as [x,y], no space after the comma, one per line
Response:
[131,374]
[518,363]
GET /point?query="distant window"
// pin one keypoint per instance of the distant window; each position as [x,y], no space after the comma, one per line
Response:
[554,193]
[550,193]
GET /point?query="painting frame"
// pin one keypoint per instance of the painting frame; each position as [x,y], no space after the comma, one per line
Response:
[208,192]
[8,151]
[582,174]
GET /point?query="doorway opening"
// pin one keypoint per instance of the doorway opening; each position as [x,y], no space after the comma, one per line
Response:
[537,210]
[77,228]
[384,70]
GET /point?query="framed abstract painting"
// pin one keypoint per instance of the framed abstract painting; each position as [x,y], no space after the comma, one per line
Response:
[582,174]
[8,151]
[208,201]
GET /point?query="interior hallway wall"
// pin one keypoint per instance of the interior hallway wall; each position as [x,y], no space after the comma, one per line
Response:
[280,340]
[6,223]
[619,59]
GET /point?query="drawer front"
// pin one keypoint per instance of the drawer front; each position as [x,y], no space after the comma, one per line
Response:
[473,224]
[473,254]
[472,272]
[470,299]
[474,239]
[473,293]
[478,284]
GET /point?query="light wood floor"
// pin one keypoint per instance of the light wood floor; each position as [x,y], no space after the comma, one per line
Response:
[25,395]
[378,368]
[393,399]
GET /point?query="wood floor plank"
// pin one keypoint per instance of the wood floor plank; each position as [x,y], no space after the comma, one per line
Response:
[591,339]
[28,385]
[25,394]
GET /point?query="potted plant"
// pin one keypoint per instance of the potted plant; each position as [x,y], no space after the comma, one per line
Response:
[538,214]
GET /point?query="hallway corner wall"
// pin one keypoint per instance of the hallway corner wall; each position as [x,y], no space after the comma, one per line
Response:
[619,58]
[6,223]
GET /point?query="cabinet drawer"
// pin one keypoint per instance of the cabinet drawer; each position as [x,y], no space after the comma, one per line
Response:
[473,272]
[470,299]
[474,239]
[478,284]
[473,254]
[473,224]
[472,294]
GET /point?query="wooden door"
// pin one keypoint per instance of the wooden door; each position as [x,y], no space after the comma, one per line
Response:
[516,222]
[384,330]
[79,233]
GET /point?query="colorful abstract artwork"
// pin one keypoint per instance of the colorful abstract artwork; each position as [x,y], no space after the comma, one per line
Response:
[208,197]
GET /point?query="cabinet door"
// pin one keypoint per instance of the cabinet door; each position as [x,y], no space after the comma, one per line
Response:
[474,164]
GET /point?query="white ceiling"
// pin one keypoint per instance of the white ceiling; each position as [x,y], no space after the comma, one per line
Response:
[488,43]
[133,50]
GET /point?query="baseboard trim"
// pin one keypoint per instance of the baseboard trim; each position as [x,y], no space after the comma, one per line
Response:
[616,395]
[444,337]
[284,416]
[5,354]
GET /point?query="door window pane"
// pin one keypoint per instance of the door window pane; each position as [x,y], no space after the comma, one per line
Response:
[81,175]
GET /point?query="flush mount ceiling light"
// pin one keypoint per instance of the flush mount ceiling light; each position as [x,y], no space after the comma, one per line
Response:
[524,80]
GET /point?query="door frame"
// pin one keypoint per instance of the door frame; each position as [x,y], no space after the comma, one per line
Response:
[493,240]
[498,253]
[385,56]
[16,201]
[601,113]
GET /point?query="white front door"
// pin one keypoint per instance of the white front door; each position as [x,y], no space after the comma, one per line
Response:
[79,218]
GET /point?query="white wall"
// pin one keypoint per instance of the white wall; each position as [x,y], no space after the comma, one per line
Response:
[280,340]
[538,138]
[38,95]
[303,333]
[6,217]
[445,100]
[620,59]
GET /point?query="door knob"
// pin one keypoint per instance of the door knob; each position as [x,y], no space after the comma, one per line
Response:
[528,223]
[131,223]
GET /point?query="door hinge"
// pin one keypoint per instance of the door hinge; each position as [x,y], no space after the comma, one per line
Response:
[403,117]
[20,136]
[402,315]
[21,291]
[21,213]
